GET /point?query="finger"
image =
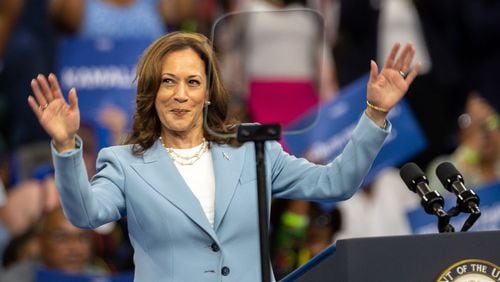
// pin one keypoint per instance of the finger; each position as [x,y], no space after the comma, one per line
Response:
[44,85]
[413,73]
[401,58]
[54,86]
[40,97]
[34,107]
[73,99]
[392,55]
[373,71]
[407,61]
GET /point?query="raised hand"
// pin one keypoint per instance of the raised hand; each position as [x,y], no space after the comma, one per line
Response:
[60,120]
[386,88]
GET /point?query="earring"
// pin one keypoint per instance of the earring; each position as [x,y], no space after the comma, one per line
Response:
[207,103]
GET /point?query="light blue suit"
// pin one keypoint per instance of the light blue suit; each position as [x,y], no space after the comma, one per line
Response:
[171,236]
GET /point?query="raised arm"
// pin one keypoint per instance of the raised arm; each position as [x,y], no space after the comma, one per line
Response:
[58,118]
[387,88]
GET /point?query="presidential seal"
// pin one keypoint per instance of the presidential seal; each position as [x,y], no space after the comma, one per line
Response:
[471,270]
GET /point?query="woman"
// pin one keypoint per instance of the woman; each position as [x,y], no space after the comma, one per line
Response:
[189,196]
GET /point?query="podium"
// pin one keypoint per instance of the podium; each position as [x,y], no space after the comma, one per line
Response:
[414,258]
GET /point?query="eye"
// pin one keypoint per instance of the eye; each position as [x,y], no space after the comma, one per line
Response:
[194,82]
[167,81]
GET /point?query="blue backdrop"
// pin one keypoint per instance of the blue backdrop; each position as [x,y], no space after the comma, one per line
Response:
[103,73]
[337,118]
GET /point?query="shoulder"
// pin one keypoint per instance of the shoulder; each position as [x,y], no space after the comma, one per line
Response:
[119,153]
[249,147]
[119,149]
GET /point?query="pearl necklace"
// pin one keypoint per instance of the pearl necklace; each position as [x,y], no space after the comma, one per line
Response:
[186,160]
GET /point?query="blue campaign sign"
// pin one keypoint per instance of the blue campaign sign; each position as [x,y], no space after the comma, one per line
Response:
[489,195]
[337,118]
[103,73]
[47,275]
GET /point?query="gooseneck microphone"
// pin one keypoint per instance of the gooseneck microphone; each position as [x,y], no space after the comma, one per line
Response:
[453,181]
[417,182]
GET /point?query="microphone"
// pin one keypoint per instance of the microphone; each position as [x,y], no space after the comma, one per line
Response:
[417,182]
[453,181]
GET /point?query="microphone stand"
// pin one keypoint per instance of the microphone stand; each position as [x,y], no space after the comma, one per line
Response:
[433,204]
[444,225]
[467,202]
[471,220]
[259,133]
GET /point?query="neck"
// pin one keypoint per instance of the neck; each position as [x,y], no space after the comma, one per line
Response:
[179,141]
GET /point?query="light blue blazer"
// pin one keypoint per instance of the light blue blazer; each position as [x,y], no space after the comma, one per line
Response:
[171,236]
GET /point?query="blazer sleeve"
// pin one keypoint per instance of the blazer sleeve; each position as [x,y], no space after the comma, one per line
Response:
[89,205]
[297,178]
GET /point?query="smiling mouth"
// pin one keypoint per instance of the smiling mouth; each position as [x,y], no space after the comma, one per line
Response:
[179,111]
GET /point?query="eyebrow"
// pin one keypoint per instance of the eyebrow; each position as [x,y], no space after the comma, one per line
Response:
[190,76]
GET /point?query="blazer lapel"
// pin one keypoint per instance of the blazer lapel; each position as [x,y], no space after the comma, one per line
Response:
[228,163]
[160,173]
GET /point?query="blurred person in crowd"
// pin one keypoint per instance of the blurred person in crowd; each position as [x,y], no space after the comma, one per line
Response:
[477,155]
[281,56]
[187,192]
[24,205]
[299,245]
[9,14]
[63,247]
[324,224]
[120,19]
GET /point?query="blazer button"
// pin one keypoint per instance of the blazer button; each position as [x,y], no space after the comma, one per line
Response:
[225,271]
[215,247]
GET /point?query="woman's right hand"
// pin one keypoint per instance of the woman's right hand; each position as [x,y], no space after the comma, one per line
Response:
[60,120]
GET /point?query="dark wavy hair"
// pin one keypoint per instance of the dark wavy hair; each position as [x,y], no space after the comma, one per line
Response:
[146,125]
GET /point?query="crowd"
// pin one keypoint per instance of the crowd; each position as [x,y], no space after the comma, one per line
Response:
[453,98]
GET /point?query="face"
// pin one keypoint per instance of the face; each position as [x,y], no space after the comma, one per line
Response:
[182,93]
[63,246]
[483,130]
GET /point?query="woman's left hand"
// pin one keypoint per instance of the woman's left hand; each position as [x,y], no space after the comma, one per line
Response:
[386,88]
